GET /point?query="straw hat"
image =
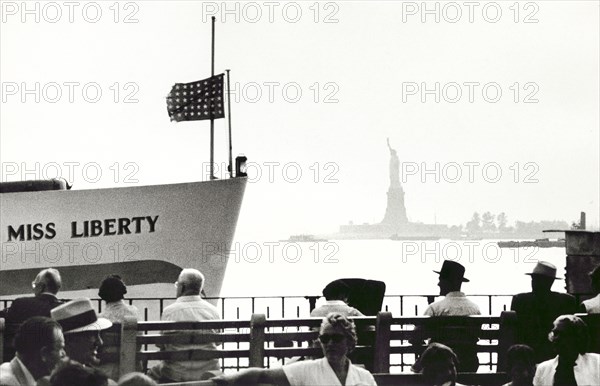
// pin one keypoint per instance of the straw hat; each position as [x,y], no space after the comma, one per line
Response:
[78,315]
[543,268]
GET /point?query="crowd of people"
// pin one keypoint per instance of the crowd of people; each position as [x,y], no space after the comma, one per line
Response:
[53,343]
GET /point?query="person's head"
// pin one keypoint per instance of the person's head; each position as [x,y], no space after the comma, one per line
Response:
[438,364]
[72,373]
[81,328]
[337,336]
[190,282]
[48,280]
[542,277]
[136,379]
[40,345]
[595,279]
[112,289]
[451,277]
[336,290]
[521,363]
[569,336]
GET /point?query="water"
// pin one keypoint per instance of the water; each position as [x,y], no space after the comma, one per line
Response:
[263,269]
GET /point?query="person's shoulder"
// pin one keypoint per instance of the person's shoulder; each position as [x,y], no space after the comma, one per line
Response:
[7,377]
[364,375]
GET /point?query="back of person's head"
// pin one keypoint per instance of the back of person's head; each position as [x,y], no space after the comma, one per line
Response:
[72,373]
[438,364]
[136,379]
[35,333]
[48,280]
[576,330]
[519,354]
[521,363]
[192,281]
[336,290]
[112,289]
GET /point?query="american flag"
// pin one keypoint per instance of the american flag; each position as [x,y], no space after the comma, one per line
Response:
[197,100]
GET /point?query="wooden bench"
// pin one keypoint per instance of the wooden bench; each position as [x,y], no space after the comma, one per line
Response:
[495,333]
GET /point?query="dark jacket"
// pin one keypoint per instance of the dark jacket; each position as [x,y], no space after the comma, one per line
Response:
[22,309]
[535,316]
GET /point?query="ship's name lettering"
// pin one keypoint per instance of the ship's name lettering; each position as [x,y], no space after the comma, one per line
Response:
[88,228]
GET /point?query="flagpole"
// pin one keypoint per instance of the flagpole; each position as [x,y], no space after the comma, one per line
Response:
[212,120]
[229,118]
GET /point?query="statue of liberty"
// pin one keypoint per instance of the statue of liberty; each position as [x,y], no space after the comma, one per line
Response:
[394,167]
[395,213]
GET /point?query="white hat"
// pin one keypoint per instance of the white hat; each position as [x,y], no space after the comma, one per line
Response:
[78,315]
[543,268]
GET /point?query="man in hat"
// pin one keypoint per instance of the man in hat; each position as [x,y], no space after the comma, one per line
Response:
[454,303]
[537,310]
[40,347]
[592,306]
[46,285]
[81,328]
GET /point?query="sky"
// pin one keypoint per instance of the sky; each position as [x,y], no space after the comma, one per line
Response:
[491,106]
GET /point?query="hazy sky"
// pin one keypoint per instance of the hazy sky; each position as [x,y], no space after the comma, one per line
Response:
[319,87]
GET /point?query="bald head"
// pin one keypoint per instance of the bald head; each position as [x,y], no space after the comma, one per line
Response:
[190,282]
[48,280]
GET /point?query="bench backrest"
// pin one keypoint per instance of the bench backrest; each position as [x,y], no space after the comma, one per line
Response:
[400,335]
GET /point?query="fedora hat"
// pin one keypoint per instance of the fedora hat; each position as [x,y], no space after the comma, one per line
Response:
[452,270]
[78,315]
[543,268]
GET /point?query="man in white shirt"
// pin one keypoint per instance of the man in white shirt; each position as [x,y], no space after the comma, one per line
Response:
[40,346]
[592,306]
[455,303]
[189,307]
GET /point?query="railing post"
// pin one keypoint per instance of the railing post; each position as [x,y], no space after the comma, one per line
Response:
[128,349]
[2,330]
[257,340]
[382,342]
[506,337]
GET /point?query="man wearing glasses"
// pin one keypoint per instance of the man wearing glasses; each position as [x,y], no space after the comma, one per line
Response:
[46,285]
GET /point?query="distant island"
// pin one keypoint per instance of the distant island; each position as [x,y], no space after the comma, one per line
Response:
[396,226]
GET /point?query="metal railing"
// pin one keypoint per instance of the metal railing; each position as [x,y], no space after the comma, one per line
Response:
[242,307]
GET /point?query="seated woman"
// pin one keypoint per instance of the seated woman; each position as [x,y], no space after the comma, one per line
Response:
[438,365]
[338,338]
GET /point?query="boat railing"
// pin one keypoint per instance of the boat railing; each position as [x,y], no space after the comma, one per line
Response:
[242,307]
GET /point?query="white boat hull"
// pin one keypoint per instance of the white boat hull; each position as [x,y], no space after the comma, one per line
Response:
[146,234]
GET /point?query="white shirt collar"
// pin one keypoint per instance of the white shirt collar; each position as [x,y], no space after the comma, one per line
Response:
[26,373]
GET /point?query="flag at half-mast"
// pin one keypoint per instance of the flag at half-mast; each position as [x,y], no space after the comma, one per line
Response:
[197,101]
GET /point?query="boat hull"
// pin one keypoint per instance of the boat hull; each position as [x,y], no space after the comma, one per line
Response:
[146,234]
